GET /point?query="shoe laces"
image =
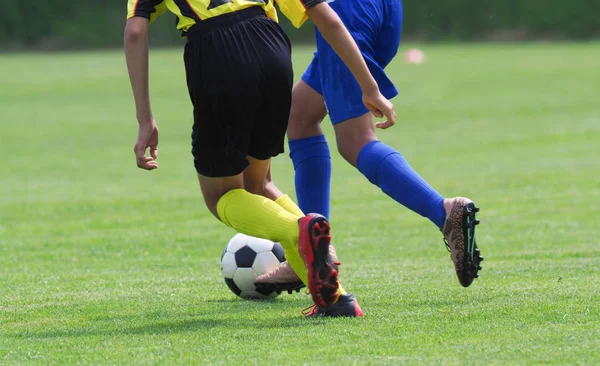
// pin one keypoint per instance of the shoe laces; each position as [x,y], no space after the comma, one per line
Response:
[309,311]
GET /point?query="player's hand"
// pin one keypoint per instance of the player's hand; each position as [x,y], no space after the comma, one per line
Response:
[147,139]
[380,107]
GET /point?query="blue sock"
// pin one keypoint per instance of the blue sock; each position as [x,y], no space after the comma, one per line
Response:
[387,169]
[312,164]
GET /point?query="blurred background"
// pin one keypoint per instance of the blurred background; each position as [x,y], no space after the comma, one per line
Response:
[67,24]
[103,263]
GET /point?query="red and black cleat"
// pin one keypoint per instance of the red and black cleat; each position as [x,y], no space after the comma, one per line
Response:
[313,243]
[346,306]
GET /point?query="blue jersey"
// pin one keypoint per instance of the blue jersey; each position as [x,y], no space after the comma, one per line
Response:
[376,26]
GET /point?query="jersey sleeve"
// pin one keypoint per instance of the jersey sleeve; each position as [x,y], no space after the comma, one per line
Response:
[149,9]
[295,10]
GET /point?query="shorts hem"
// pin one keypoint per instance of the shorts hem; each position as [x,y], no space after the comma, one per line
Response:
[231,172]
[265,156]
[306,79]
[360,110]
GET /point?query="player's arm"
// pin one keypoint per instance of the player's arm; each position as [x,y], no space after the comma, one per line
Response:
[334,32]
[136,54]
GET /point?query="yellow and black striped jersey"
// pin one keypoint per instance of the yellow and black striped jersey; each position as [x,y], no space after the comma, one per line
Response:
[189,12]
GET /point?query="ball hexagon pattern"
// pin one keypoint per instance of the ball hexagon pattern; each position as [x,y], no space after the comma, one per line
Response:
[245,258]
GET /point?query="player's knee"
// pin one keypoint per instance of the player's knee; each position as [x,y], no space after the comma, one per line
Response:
[307,112]
[303,124]
[255,186]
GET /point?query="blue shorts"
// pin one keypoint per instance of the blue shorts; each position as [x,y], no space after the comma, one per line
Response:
[376,26]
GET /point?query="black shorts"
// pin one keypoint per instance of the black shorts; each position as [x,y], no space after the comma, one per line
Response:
[240,78]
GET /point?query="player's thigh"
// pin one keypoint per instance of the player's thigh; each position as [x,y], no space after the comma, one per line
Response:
[221,132]
[223,82]
[341,92]
[221,135]
[275,86]
[308,110]
[268,133]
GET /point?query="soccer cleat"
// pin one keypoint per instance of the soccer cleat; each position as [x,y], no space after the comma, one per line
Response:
[283,277]
[459,236]
[313,245]
[346,306]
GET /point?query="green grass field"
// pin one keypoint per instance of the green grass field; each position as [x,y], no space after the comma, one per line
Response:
[103,263]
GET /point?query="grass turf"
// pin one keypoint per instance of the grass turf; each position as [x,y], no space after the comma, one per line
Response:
[102,263]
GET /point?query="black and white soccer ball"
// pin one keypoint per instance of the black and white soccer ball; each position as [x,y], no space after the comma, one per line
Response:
[245,258]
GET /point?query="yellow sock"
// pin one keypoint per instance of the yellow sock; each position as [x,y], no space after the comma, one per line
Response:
[258,216]
[295,261]
[290,206]
[286,202]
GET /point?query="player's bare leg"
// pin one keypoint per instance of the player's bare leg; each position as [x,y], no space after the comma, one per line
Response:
[308,110]
[258,180]
[353,134]
[214,188]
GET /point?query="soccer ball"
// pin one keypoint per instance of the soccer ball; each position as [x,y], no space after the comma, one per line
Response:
[245,258]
